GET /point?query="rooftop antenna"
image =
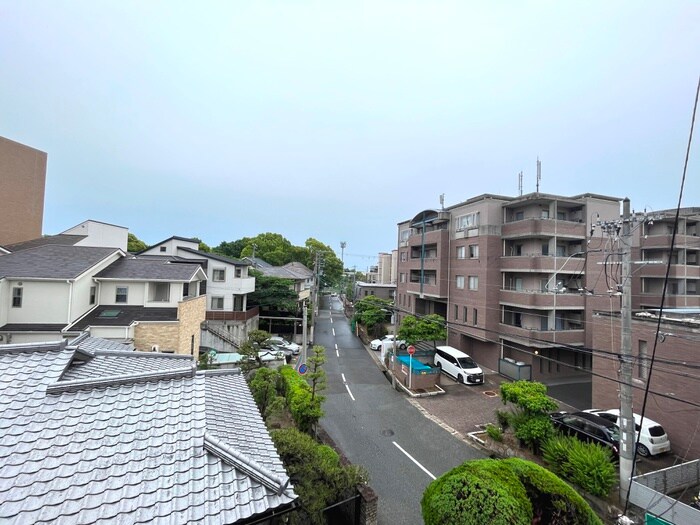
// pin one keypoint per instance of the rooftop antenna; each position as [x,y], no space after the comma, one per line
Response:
[442,201]
[539,173]
[520,183]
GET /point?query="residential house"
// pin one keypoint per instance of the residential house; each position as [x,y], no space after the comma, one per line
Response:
[22,186]
[153,302]
[301,276]
[383,291]
[47,288]
[92,434]
[228,315]
[88,233]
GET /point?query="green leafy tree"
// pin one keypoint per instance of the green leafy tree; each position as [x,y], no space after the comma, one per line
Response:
[134,244]
[503,492]
[319,477]
[265,388]
[372,312]
[330,266]
[205,360]
[317,375]
[531,422]
[273,293]
[203,247]
[426,328]
[270,247]
[249,350]
[232,249]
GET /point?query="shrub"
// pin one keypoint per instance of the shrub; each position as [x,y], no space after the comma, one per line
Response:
[503,418]
[305,409]
[588,465]
[530,396]
[494,432]
[533,430]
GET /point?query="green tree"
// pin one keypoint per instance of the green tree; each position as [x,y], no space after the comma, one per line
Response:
[249,350]
[317,375]
[330,266]
[270,247]
[503,492]
[265,388]
[134,244]
[426,328]
[372,312]
[531,422]
[273,293]
[319,477]
[203,247]
[232,249]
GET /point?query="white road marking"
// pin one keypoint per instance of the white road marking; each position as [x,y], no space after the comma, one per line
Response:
[333,331]
[348,389]
[331,319]
[413,459]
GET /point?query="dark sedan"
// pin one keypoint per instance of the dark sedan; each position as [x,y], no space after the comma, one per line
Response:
[589,428]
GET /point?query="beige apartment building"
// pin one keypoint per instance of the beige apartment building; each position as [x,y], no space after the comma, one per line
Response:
[517,278]
[22,183]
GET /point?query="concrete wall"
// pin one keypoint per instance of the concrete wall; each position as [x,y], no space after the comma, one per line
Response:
[22,184]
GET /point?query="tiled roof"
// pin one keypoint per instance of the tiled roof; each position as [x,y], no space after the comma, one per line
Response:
[64,239]
[215,256]
[52,261]
[90,344]
[294,270]
[147,447]
[127,315]
[149,268]
[32,327]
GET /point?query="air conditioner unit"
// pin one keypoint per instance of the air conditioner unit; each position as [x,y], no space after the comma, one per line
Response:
[155,348]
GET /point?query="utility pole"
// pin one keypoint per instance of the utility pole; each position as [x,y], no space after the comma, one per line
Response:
[304,340]
[627,438]
[343,244]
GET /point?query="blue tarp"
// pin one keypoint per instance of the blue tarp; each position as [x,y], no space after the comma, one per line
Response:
[416,365]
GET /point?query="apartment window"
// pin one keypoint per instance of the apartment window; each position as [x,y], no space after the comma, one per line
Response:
[404,235]
[473,282]
[122,295]
[475,315]
[219,275]
[16,297]
[217,303]
[470,220]
[402,277]
[93,294]
[404,256]
[473,251]
[545,248]
[561,250]
[461,252]
[457,311]
[544,214]
[163,249]
[460,282]
[464,316]
[239,273]
[519,215]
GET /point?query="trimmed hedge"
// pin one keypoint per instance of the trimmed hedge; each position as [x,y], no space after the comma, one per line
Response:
[297,392]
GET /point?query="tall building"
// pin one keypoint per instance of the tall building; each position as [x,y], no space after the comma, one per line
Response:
[22,183]
[515,277]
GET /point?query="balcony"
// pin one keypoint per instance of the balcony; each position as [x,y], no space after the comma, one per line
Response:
[541,300]
[243,285]
[664,241]
[536,227]
[542,338]
[543,264]
[677,271]
[432,290]
[221,315]
[671,301]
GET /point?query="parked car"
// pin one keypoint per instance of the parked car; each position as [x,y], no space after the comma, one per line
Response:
[652,438]
[589,428]
[458,365]
[377,343]
[284,344]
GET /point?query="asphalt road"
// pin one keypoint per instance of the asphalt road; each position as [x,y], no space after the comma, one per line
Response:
[377,427]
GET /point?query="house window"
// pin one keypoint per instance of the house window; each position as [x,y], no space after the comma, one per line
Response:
[470,220]
[160,292]
[219,275]
[473,282]
[217,303]
[93,294]
[239,273]
[238,303]
[475,315]
[16,297]
[461,252]
[122,294]
[163,249]
[473,251]
[460,282]
[185,289]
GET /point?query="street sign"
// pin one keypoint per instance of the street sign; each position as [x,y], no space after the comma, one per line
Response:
[303,369]
[411,350]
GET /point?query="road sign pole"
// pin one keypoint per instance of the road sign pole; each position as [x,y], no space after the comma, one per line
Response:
[411,351]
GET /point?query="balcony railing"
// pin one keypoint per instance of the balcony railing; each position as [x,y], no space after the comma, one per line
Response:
[544,227]
[221,315]
[538,299]
[544,338]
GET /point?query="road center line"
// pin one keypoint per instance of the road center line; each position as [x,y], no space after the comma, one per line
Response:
[348,389]
[413,459]
[333,331]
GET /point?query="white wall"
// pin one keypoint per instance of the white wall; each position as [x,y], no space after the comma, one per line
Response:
[113,333]
[136,295]
[101,235]
[171,248]
[81,290]
[42,302]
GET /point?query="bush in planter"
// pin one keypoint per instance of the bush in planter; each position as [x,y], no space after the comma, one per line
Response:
[588,465]
[494,432]
[503,418]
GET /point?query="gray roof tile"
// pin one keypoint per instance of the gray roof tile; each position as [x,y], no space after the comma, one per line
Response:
[149,268]
[140,448]
[52,261]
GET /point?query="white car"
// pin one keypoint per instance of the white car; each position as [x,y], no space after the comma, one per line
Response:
[652,438]
[377,343]
[283,343]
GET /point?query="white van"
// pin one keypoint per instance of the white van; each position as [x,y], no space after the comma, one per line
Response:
[458,365]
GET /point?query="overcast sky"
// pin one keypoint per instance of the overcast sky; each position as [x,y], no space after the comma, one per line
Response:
[337,120]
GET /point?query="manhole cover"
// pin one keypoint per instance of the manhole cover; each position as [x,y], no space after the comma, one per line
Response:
[490,393]
[387,433]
